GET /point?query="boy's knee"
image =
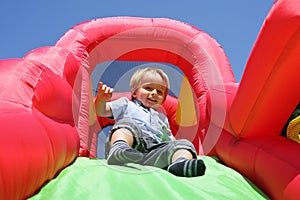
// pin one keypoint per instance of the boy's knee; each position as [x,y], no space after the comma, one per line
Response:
[127,130]
[122,134]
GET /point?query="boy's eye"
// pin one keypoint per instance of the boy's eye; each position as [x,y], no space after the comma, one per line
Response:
[148,88]
[159,92]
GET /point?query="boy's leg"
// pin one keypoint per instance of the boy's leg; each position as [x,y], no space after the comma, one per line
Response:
[121,152]
[179,157]
[183,164]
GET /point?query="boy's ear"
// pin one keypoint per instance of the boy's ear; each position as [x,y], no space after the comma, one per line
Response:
[133,94]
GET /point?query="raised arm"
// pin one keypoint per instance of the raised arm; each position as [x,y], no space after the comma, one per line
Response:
[104,94]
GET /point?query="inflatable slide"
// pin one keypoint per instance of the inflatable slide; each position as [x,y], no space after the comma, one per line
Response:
[52,142]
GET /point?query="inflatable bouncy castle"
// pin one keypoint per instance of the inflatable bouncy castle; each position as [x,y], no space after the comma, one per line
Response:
[52,142]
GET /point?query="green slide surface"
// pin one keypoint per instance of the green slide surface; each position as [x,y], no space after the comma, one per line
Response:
[94,179]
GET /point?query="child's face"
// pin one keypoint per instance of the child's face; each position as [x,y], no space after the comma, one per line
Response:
[151,93]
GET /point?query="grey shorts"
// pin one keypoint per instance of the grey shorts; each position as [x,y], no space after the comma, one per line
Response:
[156,154]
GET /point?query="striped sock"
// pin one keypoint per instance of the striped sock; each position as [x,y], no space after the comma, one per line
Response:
[187,168]
[121,153]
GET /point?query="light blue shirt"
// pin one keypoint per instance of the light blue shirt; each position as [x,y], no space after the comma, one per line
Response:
[152,123]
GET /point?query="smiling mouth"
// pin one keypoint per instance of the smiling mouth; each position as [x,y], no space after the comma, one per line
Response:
[152,100]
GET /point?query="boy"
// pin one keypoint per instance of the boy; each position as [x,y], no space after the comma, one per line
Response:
[141,134]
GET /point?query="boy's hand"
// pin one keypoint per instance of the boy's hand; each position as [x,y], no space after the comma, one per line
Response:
[104,92]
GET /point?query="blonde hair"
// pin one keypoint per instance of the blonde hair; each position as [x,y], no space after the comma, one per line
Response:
[138,76]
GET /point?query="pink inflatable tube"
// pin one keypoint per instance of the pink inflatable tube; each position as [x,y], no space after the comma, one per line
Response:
[45,99]
[267,95]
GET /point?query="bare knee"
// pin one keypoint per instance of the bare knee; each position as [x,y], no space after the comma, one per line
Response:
[122,134]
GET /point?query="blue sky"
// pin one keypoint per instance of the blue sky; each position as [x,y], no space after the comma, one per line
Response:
[235,24]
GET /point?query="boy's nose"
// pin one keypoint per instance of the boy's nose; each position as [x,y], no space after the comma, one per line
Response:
[154,91]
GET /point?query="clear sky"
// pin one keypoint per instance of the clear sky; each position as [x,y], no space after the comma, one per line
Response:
[29,24]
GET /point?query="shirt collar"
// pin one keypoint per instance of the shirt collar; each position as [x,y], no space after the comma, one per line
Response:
[139,103]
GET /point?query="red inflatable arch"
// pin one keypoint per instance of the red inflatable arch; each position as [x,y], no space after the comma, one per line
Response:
[154,40]
[45,99]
